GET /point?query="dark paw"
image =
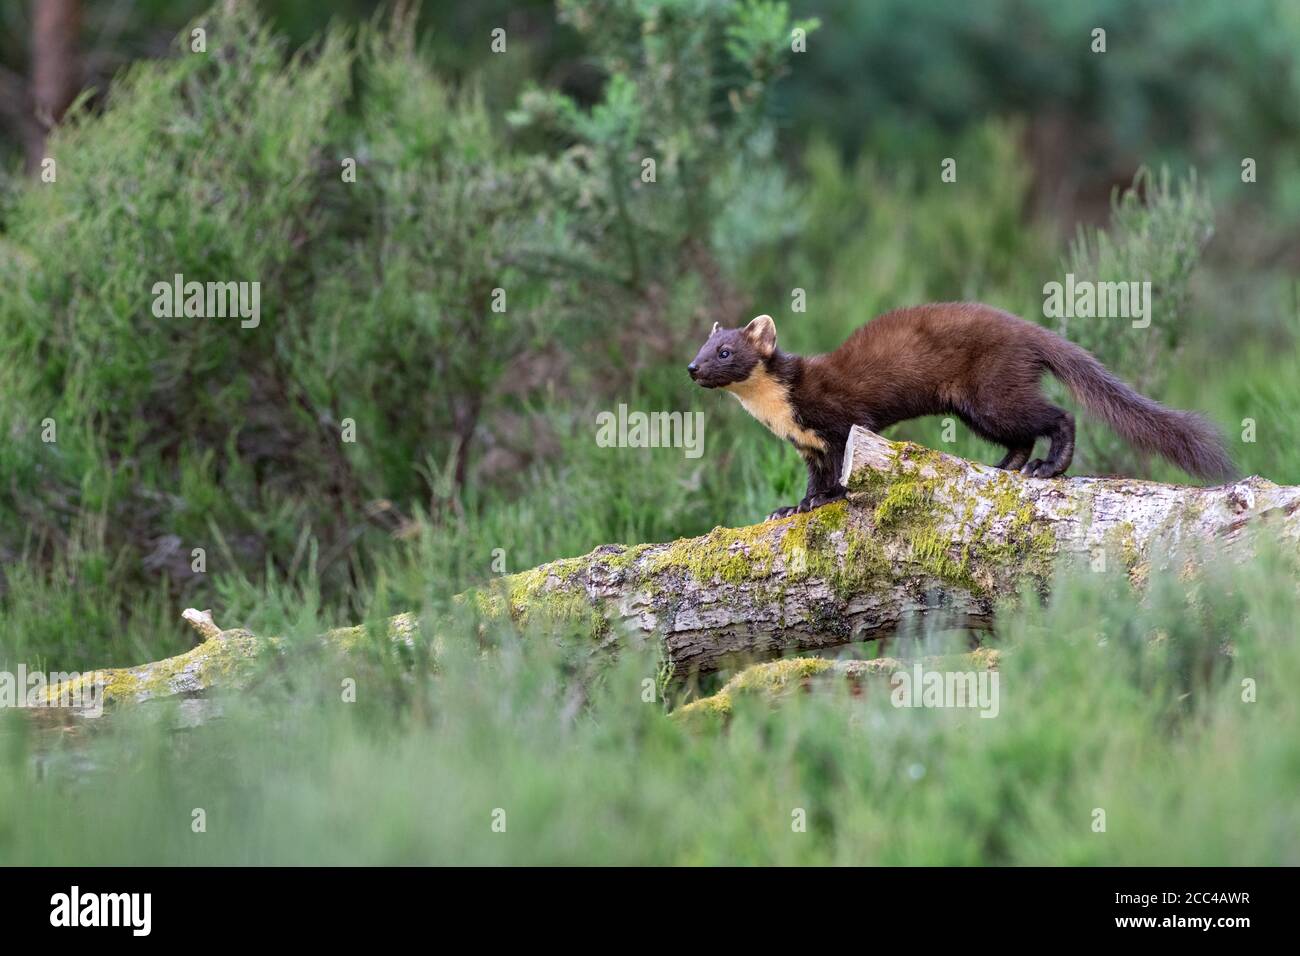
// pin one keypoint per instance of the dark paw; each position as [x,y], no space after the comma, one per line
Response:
[783,512]
[1040,469]
[816,501]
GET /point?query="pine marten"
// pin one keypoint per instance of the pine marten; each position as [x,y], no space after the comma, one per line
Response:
[958,358]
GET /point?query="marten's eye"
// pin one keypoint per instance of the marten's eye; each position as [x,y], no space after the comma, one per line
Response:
[724,353]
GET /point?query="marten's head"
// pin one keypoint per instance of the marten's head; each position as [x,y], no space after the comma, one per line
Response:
[731,355]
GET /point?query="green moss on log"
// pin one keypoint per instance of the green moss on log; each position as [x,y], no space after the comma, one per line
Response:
[919,510]
[920,501]
[222,660]
[729,555]
[775,679]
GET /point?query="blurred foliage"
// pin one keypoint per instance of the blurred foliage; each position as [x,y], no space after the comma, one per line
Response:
[1182,82]
[431,305]
[688,83]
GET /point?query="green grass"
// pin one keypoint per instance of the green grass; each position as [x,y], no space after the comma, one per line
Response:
[1093,714]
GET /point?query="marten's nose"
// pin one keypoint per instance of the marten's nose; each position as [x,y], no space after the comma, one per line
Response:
[692,368]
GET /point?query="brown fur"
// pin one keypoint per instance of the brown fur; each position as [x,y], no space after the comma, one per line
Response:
[973,361]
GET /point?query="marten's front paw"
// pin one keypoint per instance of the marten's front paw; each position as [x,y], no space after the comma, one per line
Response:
[816,501]
[783,512]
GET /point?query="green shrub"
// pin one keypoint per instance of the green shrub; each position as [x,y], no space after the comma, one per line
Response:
[476,288]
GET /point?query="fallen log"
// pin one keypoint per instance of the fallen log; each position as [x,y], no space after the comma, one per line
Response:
[921,532]
[221,659]
[775,680]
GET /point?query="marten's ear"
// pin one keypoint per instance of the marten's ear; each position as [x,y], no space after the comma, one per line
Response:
[714,331]
[762,332]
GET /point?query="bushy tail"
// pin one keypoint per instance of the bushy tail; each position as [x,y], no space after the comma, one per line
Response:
[1185,438]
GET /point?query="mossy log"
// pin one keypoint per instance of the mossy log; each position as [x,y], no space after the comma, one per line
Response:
[775,680]
[221,659]
[920,533]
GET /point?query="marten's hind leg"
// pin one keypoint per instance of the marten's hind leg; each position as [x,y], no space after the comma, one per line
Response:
[1061,452]
[1016,436]
[1015,420]
[1015,457]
